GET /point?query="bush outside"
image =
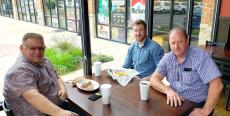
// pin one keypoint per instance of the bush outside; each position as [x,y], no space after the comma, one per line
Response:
[66,58]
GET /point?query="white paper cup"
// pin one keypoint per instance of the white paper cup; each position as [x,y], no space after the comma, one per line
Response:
[97,68]
[105,92]
[144,90]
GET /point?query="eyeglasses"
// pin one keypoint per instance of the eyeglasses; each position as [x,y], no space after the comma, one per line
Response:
[35,48]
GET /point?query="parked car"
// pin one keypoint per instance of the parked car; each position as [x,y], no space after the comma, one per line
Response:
[161,6]
[180,7]
[196,18]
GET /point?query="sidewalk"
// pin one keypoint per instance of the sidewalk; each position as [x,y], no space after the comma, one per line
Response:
[11,35]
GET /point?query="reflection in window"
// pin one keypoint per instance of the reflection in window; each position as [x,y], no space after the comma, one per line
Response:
[118,34]
[103,31]
[196,20]
[27,12]
[136,11]
[6,8]
[47,9]
[61,11]
[118,12]
[33,8]
[77,10]
[71,24]
[131,38]
[103,12]
[161,20]
[54,16]
[19,10]
[180,14]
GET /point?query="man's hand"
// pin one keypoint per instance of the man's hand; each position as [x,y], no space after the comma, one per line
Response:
[173,99]
[62,94]
[198,112]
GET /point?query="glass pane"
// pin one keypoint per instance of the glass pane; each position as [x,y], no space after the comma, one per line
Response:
[19,10]
[103,12]
[27,11]
[71,26]
[32,10]
[23,10]
[0,9]
[118,34]
[55,22]
[131,38]
[118,12]
[53,6]
[180,14]
[136,10]
[161,19]
[61,9]
[48,21]
[78,30]
[47,8]
[103,31]
[196,20]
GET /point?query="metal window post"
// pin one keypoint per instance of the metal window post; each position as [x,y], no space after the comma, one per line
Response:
[85,38]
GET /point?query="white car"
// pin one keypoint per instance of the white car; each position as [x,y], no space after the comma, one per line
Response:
[180,7]
[162,6]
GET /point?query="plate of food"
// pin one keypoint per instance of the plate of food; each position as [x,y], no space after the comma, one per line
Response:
[88,85]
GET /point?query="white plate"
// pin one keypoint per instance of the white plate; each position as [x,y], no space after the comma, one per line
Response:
[95,85]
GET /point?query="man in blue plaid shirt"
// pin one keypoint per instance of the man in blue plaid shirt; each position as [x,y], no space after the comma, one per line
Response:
[192,74]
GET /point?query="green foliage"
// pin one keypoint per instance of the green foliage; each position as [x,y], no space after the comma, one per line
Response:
[102,58]
[51,4]
[66,57]
[64,61]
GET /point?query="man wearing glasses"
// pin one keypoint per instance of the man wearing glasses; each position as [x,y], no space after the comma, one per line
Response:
[192,75]
[31,86]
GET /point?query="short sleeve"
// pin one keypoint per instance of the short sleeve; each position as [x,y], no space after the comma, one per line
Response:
[22,80]
[162,66]
[208,70]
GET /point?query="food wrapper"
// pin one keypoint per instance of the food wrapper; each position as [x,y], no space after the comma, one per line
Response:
[123,76]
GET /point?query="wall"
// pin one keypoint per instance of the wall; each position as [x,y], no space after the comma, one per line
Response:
[206,21]
[224,10]
[224,22]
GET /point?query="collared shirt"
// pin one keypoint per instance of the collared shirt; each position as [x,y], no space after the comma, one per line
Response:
[24,76]
[144,59]
[190,78]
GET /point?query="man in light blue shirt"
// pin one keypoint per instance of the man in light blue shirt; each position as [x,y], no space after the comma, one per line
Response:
[192,74]
[144,54]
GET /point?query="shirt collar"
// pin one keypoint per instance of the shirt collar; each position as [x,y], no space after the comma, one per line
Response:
[186,55]
[37,65]
[141,44]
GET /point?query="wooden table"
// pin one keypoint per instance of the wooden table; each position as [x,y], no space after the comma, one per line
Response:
[217,51]
[125,100]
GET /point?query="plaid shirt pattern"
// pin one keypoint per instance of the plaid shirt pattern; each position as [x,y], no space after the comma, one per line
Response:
[189,79]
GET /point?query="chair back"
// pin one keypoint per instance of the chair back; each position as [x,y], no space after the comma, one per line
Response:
[209,43]
[224,66]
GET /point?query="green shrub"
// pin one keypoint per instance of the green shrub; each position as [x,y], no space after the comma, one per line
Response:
[102,58]
[65,57]
[64,61]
